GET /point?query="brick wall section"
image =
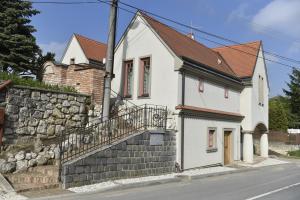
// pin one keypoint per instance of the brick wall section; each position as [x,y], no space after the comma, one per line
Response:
[134,157]
[88,81]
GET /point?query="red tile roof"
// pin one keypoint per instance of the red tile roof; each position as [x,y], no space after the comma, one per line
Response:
[184,46]
[239,59]
[92,49]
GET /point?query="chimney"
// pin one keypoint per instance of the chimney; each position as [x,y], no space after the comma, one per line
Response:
[191,35]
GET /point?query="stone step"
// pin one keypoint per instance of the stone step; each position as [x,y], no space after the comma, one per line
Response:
[34,187]
[32,178]
[48,170]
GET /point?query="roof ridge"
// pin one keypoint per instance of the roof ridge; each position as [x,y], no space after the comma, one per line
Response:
[235,45]
[93,40]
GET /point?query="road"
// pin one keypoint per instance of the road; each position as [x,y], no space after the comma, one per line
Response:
[273,182]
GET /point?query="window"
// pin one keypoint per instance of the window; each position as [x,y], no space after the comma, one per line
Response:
[212,140]
[260,90]
[201,85]
[72,61]
[226,93]
[128,77]
[144,77]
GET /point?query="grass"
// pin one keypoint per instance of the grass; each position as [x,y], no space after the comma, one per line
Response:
[294,153]
[17,80]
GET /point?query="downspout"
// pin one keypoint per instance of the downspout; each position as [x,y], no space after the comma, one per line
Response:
[182,118]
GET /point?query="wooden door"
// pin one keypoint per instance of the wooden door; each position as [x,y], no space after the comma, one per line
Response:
[227,147]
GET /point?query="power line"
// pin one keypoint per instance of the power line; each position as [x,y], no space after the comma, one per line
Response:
[208,33]
[63,2]
[196,29]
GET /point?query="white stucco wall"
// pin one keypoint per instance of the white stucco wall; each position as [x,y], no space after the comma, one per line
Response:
[250,108]
[74,50]
[195,142]
[140,41]
[212,97]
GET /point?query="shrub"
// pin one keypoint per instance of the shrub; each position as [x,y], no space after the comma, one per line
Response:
[17,80]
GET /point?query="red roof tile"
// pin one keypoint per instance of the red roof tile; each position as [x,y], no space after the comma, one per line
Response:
[92,49]
[184,46]
[239,59]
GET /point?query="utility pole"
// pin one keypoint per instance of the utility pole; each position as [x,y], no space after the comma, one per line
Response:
[110,58]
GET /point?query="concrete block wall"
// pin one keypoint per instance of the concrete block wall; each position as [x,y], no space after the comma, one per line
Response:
[133,157]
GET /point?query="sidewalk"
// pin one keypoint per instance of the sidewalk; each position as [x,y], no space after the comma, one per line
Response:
[238,167]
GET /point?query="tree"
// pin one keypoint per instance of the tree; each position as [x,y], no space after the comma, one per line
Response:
[293,93]
[278,119]
[18,47]
[39,61]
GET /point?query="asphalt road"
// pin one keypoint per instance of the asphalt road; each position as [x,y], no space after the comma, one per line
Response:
[281,182]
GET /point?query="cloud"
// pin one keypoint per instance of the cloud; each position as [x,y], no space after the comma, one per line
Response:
[239,13]
[279,15]
[294,48]
[55,47]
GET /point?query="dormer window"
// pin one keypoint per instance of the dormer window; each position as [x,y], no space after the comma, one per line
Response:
[72,61]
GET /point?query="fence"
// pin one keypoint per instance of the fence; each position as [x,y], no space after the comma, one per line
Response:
[79,141]
[277,136]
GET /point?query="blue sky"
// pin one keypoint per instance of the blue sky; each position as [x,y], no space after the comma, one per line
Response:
[275,22]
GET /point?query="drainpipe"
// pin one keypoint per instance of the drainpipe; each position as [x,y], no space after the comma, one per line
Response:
[182,118]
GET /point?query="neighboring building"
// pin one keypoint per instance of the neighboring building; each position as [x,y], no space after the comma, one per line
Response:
[218,97]
[81,67]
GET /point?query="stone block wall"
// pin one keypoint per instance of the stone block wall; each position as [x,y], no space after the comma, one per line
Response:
[136,156]
[34,112]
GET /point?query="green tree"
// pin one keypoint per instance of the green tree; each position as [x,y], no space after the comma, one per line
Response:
[18,48]
[293,92]
[278,119]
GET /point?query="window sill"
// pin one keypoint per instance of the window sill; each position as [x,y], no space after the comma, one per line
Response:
[211,150]
[127,97]
[144,97]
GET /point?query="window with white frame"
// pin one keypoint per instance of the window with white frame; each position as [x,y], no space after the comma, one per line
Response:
[260,90]
[201,85]
[128,78]
[144,77]
[212,139]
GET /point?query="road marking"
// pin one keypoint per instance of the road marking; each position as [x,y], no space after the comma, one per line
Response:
[274,191]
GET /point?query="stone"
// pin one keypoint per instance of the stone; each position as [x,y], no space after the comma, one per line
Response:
[31,130]
[56,153]
[41,160]
[7,167]
[57,113]
[21,131]
[22,165]
[47,114]
[59,121]
[68,116]
[51,154]
[62,96]
[13,118]
[82,109]
[12,109]
[74,109]
[11,159]
[76,118]
[58,129]
[70,123]
[51,130]
[41,129]
[35,95]
[66,103]
[49,106]
[74,103]
[2,161]
[65,110]
[50,120]
[20,155]
[80,99]
[28,156]
[71,98]
[53,100]
[37,115]
[8,131]
[44,97]
[9,155]
[90,113]
[33,122]
[32,163]
[24,112]
[34,155]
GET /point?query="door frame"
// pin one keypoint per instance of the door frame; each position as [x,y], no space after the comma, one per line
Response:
[231,144]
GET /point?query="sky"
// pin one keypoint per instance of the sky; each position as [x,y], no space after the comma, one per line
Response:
[275,22]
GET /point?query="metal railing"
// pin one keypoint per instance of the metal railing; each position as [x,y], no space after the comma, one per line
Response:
[79,141]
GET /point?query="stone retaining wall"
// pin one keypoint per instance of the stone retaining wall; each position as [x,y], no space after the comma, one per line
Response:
[279,147]
[145,154]
[32,112]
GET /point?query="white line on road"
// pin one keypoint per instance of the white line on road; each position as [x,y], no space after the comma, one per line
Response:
[274,191]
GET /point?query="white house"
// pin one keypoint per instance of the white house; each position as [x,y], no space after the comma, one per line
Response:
[218,98]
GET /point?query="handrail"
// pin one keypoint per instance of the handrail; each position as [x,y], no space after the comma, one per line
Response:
[79,141]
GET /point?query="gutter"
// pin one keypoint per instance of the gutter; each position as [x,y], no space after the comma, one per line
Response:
[182,118]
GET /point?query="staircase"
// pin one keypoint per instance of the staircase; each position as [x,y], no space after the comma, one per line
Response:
[36,178]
